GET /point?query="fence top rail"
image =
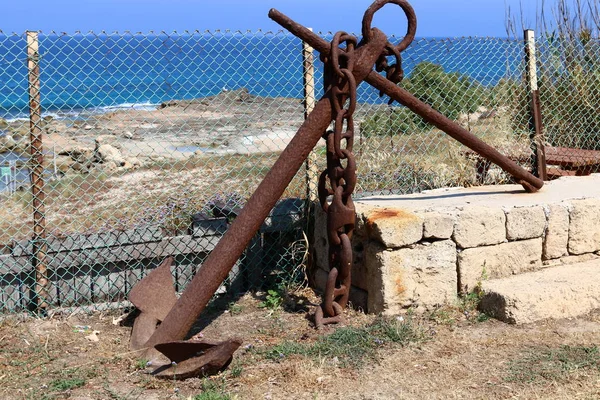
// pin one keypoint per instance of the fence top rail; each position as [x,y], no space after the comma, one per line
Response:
[244,32]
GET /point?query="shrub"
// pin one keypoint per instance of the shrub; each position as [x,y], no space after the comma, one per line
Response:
[568,69]
[449,93]
[570,92]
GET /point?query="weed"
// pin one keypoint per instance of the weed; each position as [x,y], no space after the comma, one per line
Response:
[62,385]
[212,391]
[236,371]
[140,364]
[273,300]
[351,345]
[235,309]
[442,316]
[553,364]
[468,303]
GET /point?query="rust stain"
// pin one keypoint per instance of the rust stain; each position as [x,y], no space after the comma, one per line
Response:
[398,216]
[400,287]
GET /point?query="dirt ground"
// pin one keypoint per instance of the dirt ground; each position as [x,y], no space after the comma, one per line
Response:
[451,353]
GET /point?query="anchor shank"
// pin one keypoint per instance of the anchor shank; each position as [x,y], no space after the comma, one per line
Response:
[231,246]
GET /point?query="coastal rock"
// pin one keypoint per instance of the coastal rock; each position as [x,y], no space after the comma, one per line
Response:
[21,129]
[3,123]
[64,163]
[134,162]
[7,143]
[170,103]
[108,139]
[109,166]
[54,126]
[80,167]
[227,97]
[77,153]
[107,153]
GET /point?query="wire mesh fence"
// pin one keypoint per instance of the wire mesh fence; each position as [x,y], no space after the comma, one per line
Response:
[153,142]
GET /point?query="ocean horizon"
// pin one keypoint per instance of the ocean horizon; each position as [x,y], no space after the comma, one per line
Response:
[86,74]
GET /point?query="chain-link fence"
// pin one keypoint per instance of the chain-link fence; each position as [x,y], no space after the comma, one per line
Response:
[151,144]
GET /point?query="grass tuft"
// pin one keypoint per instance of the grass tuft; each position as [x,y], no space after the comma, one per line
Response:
[212,391]
[350,346]
[62,385]
[552,364]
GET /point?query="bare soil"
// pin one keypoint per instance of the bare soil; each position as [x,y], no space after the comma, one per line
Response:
[456,357]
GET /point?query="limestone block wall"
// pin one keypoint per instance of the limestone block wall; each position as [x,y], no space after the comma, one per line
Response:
[421,258]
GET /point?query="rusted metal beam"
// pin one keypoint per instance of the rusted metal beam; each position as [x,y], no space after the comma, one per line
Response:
[525,178]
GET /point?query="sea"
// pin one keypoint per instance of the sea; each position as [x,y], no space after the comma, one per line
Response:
[83,74]
[90,73]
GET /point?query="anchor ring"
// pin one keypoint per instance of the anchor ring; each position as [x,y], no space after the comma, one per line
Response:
[411,30]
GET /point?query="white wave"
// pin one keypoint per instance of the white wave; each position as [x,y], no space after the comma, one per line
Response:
[25,117]
[86,112]
[145,106]
[18,117]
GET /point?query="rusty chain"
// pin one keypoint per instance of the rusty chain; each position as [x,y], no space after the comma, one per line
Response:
[341,176]
[341,163]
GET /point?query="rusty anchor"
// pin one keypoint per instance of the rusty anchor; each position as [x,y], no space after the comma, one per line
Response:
[176,317]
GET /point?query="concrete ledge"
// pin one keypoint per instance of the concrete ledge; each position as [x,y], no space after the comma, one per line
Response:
[491,262]
[424,249]
[552,293]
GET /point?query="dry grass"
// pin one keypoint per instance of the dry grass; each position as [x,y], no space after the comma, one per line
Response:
[52,359]
[163,193]
[168,192]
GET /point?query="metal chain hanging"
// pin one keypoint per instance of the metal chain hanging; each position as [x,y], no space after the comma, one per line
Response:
[341,176]
[341,163]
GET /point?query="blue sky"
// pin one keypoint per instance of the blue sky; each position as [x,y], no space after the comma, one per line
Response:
[436,17]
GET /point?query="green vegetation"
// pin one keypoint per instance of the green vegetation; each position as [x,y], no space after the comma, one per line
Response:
[66,384]
[350,346]
[570,92]
[212,391]
[273,300]
[568,70]
[450,93]
[140,364]
[551,364]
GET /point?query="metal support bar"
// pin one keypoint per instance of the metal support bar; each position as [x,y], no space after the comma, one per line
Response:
[37,170]
[308,77]
[537,134]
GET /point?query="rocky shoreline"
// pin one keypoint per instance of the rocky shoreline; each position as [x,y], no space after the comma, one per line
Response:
[231,122]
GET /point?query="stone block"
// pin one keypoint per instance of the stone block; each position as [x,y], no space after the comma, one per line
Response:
[499,261]
[422,276]
[584,229]
[394,228]
[437,225]
[320,246]
[557,232]
[480,226]
[525,223]
[569,260]
[551,293]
